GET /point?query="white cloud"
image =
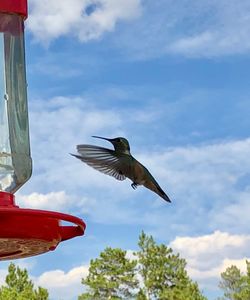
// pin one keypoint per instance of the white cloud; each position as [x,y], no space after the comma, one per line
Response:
[57,125]
[61,284]
[209,170]
[85,19]
[207,183]
[209,255]
[205,277]
[206,186]
[3,274]
[68,185]
[130,254]
[203,181]
[227,35]
[197,245]
[189,28]
[207,28]
[51,201]
[189,45]
[235,215]
[239,263]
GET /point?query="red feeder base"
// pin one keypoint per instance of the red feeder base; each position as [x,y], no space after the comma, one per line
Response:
[28,232]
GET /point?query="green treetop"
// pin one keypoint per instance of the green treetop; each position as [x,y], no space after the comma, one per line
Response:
[235,284]
[112,276]
[19,287]
[161,275]
[163,272]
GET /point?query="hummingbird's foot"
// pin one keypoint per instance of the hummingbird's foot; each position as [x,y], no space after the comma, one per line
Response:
[134,185]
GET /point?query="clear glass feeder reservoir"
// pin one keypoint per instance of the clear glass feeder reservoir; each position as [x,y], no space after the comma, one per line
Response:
[24,232]
[15,160]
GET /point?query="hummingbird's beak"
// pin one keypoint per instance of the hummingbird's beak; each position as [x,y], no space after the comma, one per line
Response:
[103,138]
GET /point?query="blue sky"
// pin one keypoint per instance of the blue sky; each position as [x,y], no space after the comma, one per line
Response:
[172,77]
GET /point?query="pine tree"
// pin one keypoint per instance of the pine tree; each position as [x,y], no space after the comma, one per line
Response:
[235,284]
[163,275]
[163,272]
[111,276]
[19,287]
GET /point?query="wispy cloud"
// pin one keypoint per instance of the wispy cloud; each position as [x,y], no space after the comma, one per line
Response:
[235,216]
[84,19]
[202,180]
[189,28]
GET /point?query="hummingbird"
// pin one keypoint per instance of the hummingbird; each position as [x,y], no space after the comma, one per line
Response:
[119,163]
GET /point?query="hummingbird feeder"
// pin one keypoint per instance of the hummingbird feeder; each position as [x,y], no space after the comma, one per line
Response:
[23,232]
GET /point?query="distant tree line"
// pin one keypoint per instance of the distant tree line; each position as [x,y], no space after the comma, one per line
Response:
[153,272]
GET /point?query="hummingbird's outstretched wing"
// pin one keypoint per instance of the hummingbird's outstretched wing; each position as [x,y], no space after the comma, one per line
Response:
[101,159]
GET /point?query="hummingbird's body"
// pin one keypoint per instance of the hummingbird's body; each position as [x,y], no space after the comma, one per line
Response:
[119,163]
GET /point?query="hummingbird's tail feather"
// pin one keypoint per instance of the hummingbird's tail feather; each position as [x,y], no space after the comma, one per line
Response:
[164,195]
[154,186]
